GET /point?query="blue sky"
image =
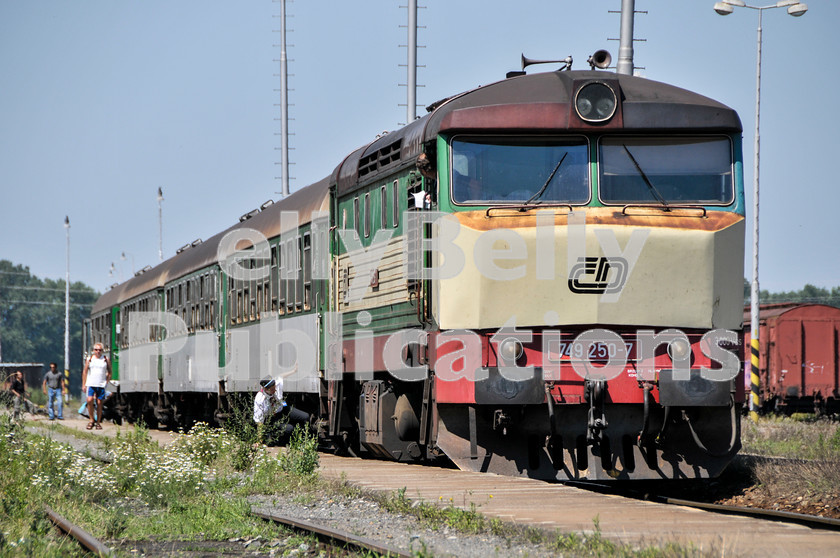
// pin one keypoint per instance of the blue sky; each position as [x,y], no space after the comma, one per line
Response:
[104,101]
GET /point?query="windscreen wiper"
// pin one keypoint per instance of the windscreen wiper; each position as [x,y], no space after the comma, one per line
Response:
[650,185]
[547,182]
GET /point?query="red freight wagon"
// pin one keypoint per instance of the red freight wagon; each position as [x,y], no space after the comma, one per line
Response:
[799,357]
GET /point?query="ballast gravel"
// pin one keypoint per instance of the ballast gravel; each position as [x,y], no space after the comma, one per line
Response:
[364,517]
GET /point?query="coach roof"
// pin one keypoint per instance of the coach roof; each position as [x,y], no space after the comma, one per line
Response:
[267,221]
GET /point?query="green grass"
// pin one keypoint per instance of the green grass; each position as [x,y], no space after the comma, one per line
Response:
[434,517]
[797,437]
[146,491]
[813,446]
[197,489]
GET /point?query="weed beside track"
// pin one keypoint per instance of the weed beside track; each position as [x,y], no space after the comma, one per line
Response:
[193,489]
[202,486]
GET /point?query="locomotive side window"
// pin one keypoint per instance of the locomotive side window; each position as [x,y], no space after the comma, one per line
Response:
[679,170]
[383,208]
[356,222]
[512,170]
[367,215]
[395,204]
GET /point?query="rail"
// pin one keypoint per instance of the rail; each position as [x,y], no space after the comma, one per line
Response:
[74,531]
[813,521]
[362,543]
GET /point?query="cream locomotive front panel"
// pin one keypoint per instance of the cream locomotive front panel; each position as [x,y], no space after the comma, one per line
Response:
[591,266]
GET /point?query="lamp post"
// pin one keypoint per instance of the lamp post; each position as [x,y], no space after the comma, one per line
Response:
[160,222]
[123,258]
[795,9]
[67,304]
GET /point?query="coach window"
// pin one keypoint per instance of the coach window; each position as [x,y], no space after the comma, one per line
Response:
[256,288]
[246,295]
[666,170]
[307,271]
[266,279]
[241,301]
[236,314]
[299,276]
[259,301]
[179,301]
[121,338]
[191,305]
[214,296]
[175,299]
[281,289]
[196,303]
[292,265]
[205,304]
[205,294]
[185,303]
[286,295]
[231,301]
[273,278]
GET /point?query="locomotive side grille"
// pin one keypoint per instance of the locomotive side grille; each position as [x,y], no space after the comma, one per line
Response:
[380,158]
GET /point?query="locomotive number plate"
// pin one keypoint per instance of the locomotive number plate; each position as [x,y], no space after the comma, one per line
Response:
[596,351]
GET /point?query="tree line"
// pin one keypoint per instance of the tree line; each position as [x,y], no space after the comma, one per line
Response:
[32,319]
[809,294]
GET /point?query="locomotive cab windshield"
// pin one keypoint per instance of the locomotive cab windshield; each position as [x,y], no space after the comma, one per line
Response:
[631,170]
[666,170]
[519,170]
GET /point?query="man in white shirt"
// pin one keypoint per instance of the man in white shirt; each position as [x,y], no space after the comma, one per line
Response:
[271,411]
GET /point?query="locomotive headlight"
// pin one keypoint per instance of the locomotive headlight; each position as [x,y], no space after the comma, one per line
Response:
[511,350]
[679,349]
[595,102]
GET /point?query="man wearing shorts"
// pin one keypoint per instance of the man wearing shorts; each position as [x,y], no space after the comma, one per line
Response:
[95,376]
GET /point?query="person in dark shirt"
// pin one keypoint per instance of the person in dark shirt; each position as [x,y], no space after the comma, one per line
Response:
[53,387]
[18,388]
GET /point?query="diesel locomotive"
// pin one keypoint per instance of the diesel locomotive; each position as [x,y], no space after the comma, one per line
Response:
[540,277]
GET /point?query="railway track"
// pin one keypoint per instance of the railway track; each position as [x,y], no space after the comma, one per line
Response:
[78,534]
[813,521]
[333,535]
